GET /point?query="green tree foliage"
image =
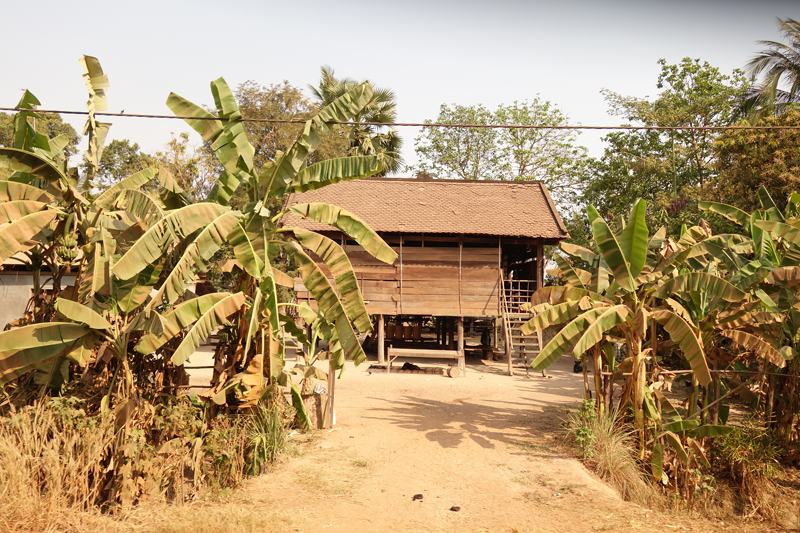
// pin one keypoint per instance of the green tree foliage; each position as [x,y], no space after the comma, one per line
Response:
[285,102]
[779,64]
[121,159]
[748,159]
[364,139]
[193,167]
[671,169]
[552,156]
[48,124]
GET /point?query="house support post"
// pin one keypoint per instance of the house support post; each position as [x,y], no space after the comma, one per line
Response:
[329,416]
[461,364]
[381,343]
[450,333]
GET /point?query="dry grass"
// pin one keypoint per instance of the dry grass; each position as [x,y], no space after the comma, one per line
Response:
[608,446]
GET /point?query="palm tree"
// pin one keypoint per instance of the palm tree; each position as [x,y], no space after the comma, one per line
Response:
[366,139]
[778,63]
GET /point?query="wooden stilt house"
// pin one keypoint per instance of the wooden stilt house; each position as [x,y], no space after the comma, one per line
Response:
[466,250]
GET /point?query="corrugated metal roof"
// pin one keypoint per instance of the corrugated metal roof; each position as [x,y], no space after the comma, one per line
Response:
[501,208]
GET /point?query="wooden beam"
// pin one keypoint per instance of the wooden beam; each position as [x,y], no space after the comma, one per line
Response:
[461,364]
[460,250]
[381,333]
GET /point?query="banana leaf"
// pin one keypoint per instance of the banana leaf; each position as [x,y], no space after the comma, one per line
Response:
[350,225]
[131,293]
[557,314]
[713,286]
[327,299]
[579,252]
[10,191]
[560,294]
[675,442]
[574,277]
[758,345]
[734,214]
[335,170]
[343,275]
[252,259]
[178,318]
[16,209]
[565,339]
[712,431]
[29,346]
[15,236]
[205,123]
[681,425]
[787,276]
[153,244]
[139,204]
[657,461]
[81,314]
[217,315]
[611,318]
[106,199]
[196,254]
[682,334]
[612,248]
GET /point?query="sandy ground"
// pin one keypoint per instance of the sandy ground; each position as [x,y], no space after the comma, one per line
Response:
[484,451]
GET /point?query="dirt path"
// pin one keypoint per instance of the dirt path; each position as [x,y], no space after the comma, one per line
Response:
[487,444]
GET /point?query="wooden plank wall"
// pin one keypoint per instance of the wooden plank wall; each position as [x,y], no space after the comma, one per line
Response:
[426,282]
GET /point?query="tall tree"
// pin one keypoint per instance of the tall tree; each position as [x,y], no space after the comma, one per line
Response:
[671,169]
[366,139]
[121,159]
[749,159]
[551,155]
[779,64]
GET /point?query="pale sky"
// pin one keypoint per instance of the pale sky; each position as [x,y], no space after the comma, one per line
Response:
[429,52]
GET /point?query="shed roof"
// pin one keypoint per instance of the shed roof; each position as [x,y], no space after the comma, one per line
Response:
[397,205]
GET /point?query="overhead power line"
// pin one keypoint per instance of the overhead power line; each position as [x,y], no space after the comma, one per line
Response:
[421,124]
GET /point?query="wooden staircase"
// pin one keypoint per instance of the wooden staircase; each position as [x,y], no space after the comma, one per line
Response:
[521,349]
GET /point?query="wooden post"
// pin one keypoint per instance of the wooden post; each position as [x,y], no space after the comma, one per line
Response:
[507,337]
[539,265]
[381,334]
[461,363]
[460,252]
[401,274]
[331,388]
[450,333]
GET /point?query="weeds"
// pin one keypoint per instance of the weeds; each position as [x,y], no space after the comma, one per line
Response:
[604,442]
[267,431]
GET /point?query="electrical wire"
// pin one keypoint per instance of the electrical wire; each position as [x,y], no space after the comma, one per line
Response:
[419,124]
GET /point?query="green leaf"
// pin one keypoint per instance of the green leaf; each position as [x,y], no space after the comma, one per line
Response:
[180,317]
[713,286]
[657,461]
[329,305]
[299,406]
[574,277]
[130,294]
[579,252]
[350,225]
[244,249]
[206,124]
[606,321]
[675,442]
[154,243]
[612,251]
[29,346]
[712,431]
[16,209]
[217,315]
[196,254]
[633,239]
[343,275]
[780,229]
[131,182]
[756,344]
[557,314]
[682,334]
[565,339]
[14,237]
[81,314]
[734,214]
[10,190]
[335,170]
[681,425]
